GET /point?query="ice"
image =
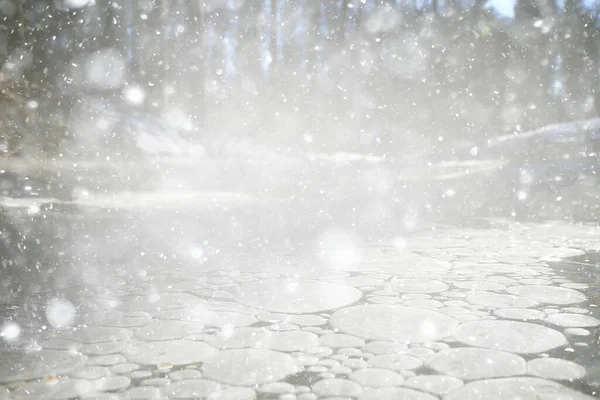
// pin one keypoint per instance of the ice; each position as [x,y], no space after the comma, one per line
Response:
[395,362]
[192,389]
[60,313]
[143,393]
[471,364]
[480,285]
[515,388]
[18,365]
[376,377]
[170,352]
[555,368]
[410,285]
[337,340]
[548,294]
[306,320]
[249,367]
[276,388]
[266,339]
[234,393]
[573,320]
[394,393]
[168,330]
[497,300]
[337,387]
[92,334]
[523,314]
[389,322]
[105,69]
[577,332]
[435,384]
[296,296]
[511,336]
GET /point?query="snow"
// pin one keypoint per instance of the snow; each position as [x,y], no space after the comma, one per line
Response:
[296,296]
[60,313]
[402,324]
[248,367]
[510,336]
[472,364]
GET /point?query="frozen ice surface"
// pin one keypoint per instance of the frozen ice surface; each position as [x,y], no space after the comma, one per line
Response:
[18,365]
[497,300]
[401,324]
[511,336]
[523,314]
[555,368]
[472,363]
[435,384]
[296,296]
[192,389]
[573,320]
[515,388]
[168,330]
[413,285]
[337,387]
[249,367]
[548,294]
[376,377]
[394,393]
[247,337]
[170,352]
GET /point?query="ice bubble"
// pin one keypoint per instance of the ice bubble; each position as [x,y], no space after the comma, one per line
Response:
[60,313]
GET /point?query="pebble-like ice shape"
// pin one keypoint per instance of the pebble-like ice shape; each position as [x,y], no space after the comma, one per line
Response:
[376,377]
[497,300]
[548,294]
[249,367]
[396,362]
[515,388]
[234,393]
[168,330]
[416,285]
[555,368]
[395,393]
[17,365]
[306,320]
[170,352]
[208,317]
[390,322]
[192,389]
[480,285]
[573,320]
[336,340]
[472,363]
[266,339]
[436,384]
[337,387]
[522,314]
[296,296]
[98,334]
[511,336]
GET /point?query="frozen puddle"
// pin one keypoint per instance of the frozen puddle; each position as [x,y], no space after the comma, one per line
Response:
[452,315]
